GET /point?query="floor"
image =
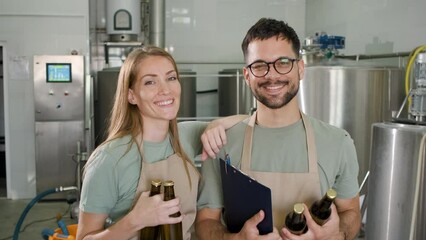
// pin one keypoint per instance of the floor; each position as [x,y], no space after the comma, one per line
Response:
[41,215]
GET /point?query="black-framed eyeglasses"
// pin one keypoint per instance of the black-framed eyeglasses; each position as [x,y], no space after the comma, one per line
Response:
[282,65]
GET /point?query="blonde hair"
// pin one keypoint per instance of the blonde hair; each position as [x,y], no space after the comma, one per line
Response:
[125,118]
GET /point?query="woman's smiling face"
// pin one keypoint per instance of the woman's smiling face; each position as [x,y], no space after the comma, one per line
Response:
[157,90]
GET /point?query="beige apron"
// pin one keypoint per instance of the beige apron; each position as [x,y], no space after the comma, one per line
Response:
[287,188]
[173,169]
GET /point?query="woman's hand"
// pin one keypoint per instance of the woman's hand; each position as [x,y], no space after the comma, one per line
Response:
[213,139]
[214,136]
[153,211]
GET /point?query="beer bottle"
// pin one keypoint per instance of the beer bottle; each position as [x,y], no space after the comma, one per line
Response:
[152,232]
[171,231]
[321,209]
[295,221]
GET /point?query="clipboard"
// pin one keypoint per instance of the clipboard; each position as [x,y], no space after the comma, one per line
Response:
[243,197]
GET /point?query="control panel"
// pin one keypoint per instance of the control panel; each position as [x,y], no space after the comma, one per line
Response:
[59,87]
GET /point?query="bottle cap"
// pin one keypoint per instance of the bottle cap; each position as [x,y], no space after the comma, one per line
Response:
[331,193]
[156,182]
[298,208]
[169,183]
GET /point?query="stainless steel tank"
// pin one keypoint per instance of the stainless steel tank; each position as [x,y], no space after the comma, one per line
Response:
[188,98]
[106,85]
[395,151]
[235,96]
[352,95]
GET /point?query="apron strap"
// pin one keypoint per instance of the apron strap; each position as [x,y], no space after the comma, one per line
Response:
[310,143]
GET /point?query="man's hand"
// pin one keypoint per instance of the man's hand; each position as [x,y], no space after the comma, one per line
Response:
[250,231]
[209,226]
[328,231]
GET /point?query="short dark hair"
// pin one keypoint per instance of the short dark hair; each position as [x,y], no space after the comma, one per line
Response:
[266,28]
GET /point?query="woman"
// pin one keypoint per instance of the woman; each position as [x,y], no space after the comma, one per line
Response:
[142,144]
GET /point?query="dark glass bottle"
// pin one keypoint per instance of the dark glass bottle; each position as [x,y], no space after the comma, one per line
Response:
[152,233]
[295,221]
[321,209]
[171,231]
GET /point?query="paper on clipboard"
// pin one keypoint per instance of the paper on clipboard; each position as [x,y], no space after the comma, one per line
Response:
[243,197]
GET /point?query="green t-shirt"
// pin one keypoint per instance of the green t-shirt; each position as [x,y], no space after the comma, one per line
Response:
[112,175]
[284,150]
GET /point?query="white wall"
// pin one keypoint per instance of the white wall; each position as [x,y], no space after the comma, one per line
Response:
[28,28]
[212,31]
[202,33]
[370,26]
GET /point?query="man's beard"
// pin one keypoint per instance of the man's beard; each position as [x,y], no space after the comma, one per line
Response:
[277,102]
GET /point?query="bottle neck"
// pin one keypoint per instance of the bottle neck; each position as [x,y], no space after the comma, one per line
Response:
[169,193]
[297,217]
[155,190]
[325,203]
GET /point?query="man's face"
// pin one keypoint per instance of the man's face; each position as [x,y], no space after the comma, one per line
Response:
[274,90]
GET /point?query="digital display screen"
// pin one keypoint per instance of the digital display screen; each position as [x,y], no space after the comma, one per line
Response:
[58,72]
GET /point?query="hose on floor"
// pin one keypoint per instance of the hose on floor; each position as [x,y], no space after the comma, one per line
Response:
[34,201]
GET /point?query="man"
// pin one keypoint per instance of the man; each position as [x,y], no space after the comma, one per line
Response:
[297,156]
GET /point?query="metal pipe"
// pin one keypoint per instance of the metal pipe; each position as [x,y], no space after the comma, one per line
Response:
[78,166]
[374,56]
[238,91]
[157,25]
[403,104]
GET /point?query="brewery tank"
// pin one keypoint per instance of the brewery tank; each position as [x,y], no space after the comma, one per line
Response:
[106,85]
[234,95]
[352,95]
[396,151]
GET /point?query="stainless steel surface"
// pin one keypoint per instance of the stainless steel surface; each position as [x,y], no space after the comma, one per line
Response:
[188,98]
[106,85]
[352,96]
[57,101]
[123,19]
[235,96]
[56,145]
[394,161]
[59,116]
[374,56]
[123,37]
[117,52]
[157,22]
